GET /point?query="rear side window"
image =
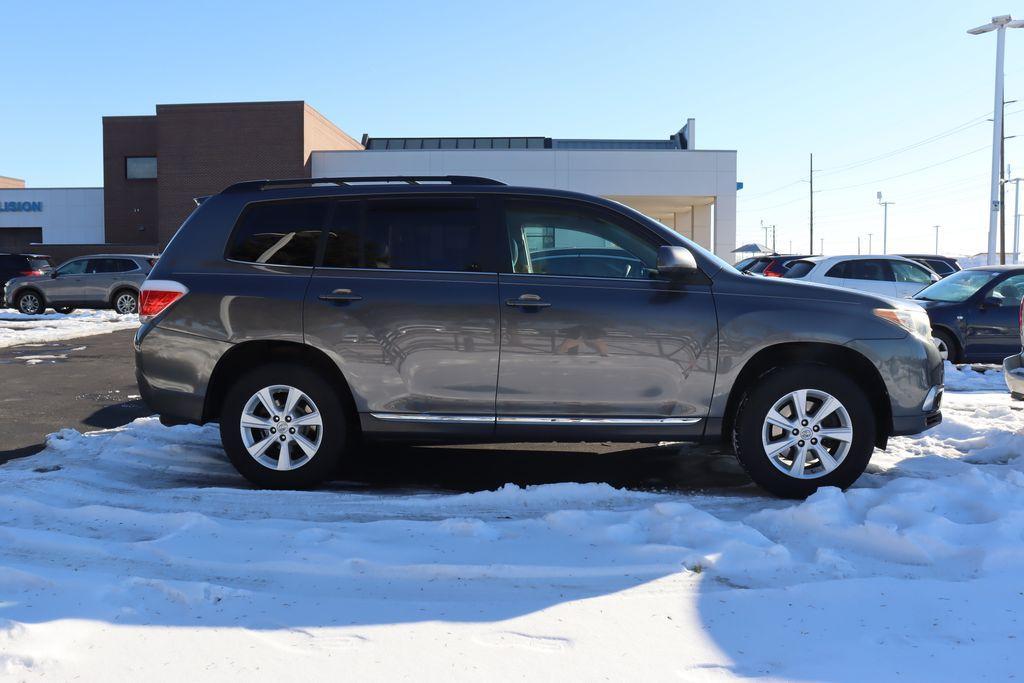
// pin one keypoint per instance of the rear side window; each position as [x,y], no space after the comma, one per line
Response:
[279,233]
[799,269]
[940,267]
[422,234]
[868,269]
[758,267]
[110,265]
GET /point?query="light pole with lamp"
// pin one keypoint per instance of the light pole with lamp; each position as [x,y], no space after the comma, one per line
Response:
[885,222]
[999,25]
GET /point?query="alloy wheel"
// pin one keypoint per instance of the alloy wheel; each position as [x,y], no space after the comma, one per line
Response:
[281,427]
[29,304]
[807,434]
[126,304]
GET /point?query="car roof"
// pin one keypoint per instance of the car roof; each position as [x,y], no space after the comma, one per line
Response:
[1000,268]
[146,256]
[855,257]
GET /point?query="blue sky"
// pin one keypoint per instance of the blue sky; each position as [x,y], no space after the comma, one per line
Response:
[775,81]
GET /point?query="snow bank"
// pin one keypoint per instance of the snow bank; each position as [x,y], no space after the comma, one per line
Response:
[967,378]
[16,328]
[143,540]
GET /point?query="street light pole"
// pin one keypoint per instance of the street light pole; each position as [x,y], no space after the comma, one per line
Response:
[1016,218]
[937,239]
[885,222]
[869,243]
[999,25]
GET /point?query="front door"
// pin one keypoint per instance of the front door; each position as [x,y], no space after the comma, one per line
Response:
[910,277]
[406,303]
[590,335]
[66,285]
[993,323]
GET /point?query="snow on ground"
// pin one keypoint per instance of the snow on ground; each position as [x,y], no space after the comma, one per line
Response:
[137,553]
[17,328]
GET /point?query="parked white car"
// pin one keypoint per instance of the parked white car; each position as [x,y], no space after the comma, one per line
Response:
[893,276]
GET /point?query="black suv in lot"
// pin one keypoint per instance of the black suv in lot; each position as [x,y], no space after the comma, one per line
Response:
[307,316]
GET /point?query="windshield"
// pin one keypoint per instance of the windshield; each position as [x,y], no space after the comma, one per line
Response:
[959,286]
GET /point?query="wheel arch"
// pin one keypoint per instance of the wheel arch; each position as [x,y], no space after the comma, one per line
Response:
[942,327]
[112,299]
[241,357]
[852,363]
[24,289]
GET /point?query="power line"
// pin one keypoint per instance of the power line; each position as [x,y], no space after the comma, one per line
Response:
[902,175]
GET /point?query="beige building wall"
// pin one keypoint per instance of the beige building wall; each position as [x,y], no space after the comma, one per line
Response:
[7,183]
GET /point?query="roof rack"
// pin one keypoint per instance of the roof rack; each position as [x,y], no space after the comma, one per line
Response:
[256,185]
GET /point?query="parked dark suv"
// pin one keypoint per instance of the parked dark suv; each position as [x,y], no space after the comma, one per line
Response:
[309,315]
[20,265]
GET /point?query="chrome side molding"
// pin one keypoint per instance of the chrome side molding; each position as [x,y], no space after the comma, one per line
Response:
[537,420]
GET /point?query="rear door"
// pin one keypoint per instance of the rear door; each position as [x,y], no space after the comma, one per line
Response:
[629,352]
[406,302]
[870,275]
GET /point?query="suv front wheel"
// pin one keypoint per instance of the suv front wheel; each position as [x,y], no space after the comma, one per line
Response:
[29,303]
[803,427]
[283,427]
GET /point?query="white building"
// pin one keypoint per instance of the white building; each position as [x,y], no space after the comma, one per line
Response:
[50,215]
[690,190]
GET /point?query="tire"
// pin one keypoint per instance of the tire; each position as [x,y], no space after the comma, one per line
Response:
[30,303]
[125,301]
[313,462]
[844,460]
[947,345]
[64,309]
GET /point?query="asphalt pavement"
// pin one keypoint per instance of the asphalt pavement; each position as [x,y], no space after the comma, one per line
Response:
[89,383]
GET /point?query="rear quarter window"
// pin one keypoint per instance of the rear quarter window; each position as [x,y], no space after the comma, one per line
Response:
[278,233]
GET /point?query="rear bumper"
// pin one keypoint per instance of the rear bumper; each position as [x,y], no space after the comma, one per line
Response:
[1013,375]
[173,370]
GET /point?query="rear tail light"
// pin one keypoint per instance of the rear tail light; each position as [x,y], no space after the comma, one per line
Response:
[35,273]
[157,295]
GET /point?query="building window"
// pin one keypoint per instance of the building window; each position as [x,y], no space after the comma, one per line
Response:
[140,168]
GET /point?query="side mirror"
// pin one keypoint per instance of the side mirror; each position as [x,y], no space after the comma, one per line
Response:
[53,274]
[992,302]
[935,277]
[675,262]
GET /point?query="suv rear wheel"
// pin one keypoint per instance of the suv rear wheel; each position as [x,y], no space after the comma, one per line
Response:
[283,427]
[30,303]
[803,427]
[126,302]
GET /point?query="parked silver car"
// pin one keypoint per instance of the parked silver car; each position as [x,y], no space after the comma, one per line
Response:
[99,281]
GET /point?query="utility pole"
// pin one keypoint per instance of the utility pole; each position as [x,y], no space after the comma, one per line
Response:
[766,228]
[885,222]
[998,24]
[869,243]
[937,239]
[812,202]
[822,250]
[858,245]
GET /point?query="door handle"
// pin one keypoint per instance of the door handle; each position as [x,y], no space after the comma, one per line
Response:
[340,296]
[527,301]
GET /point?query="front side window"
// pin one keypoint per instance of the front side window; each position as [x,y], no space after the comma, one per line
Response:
[910,272]
[553,238]
[140,168]
[1009,292]
[279,233]
[72,268]
[867,269]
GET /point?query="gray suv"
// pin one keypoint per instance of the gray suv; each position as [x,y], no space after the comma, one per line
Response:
[307,316]
[100,281]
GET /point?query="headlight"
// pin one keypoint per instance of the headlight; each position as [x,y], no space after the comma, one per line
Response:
[914,322]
